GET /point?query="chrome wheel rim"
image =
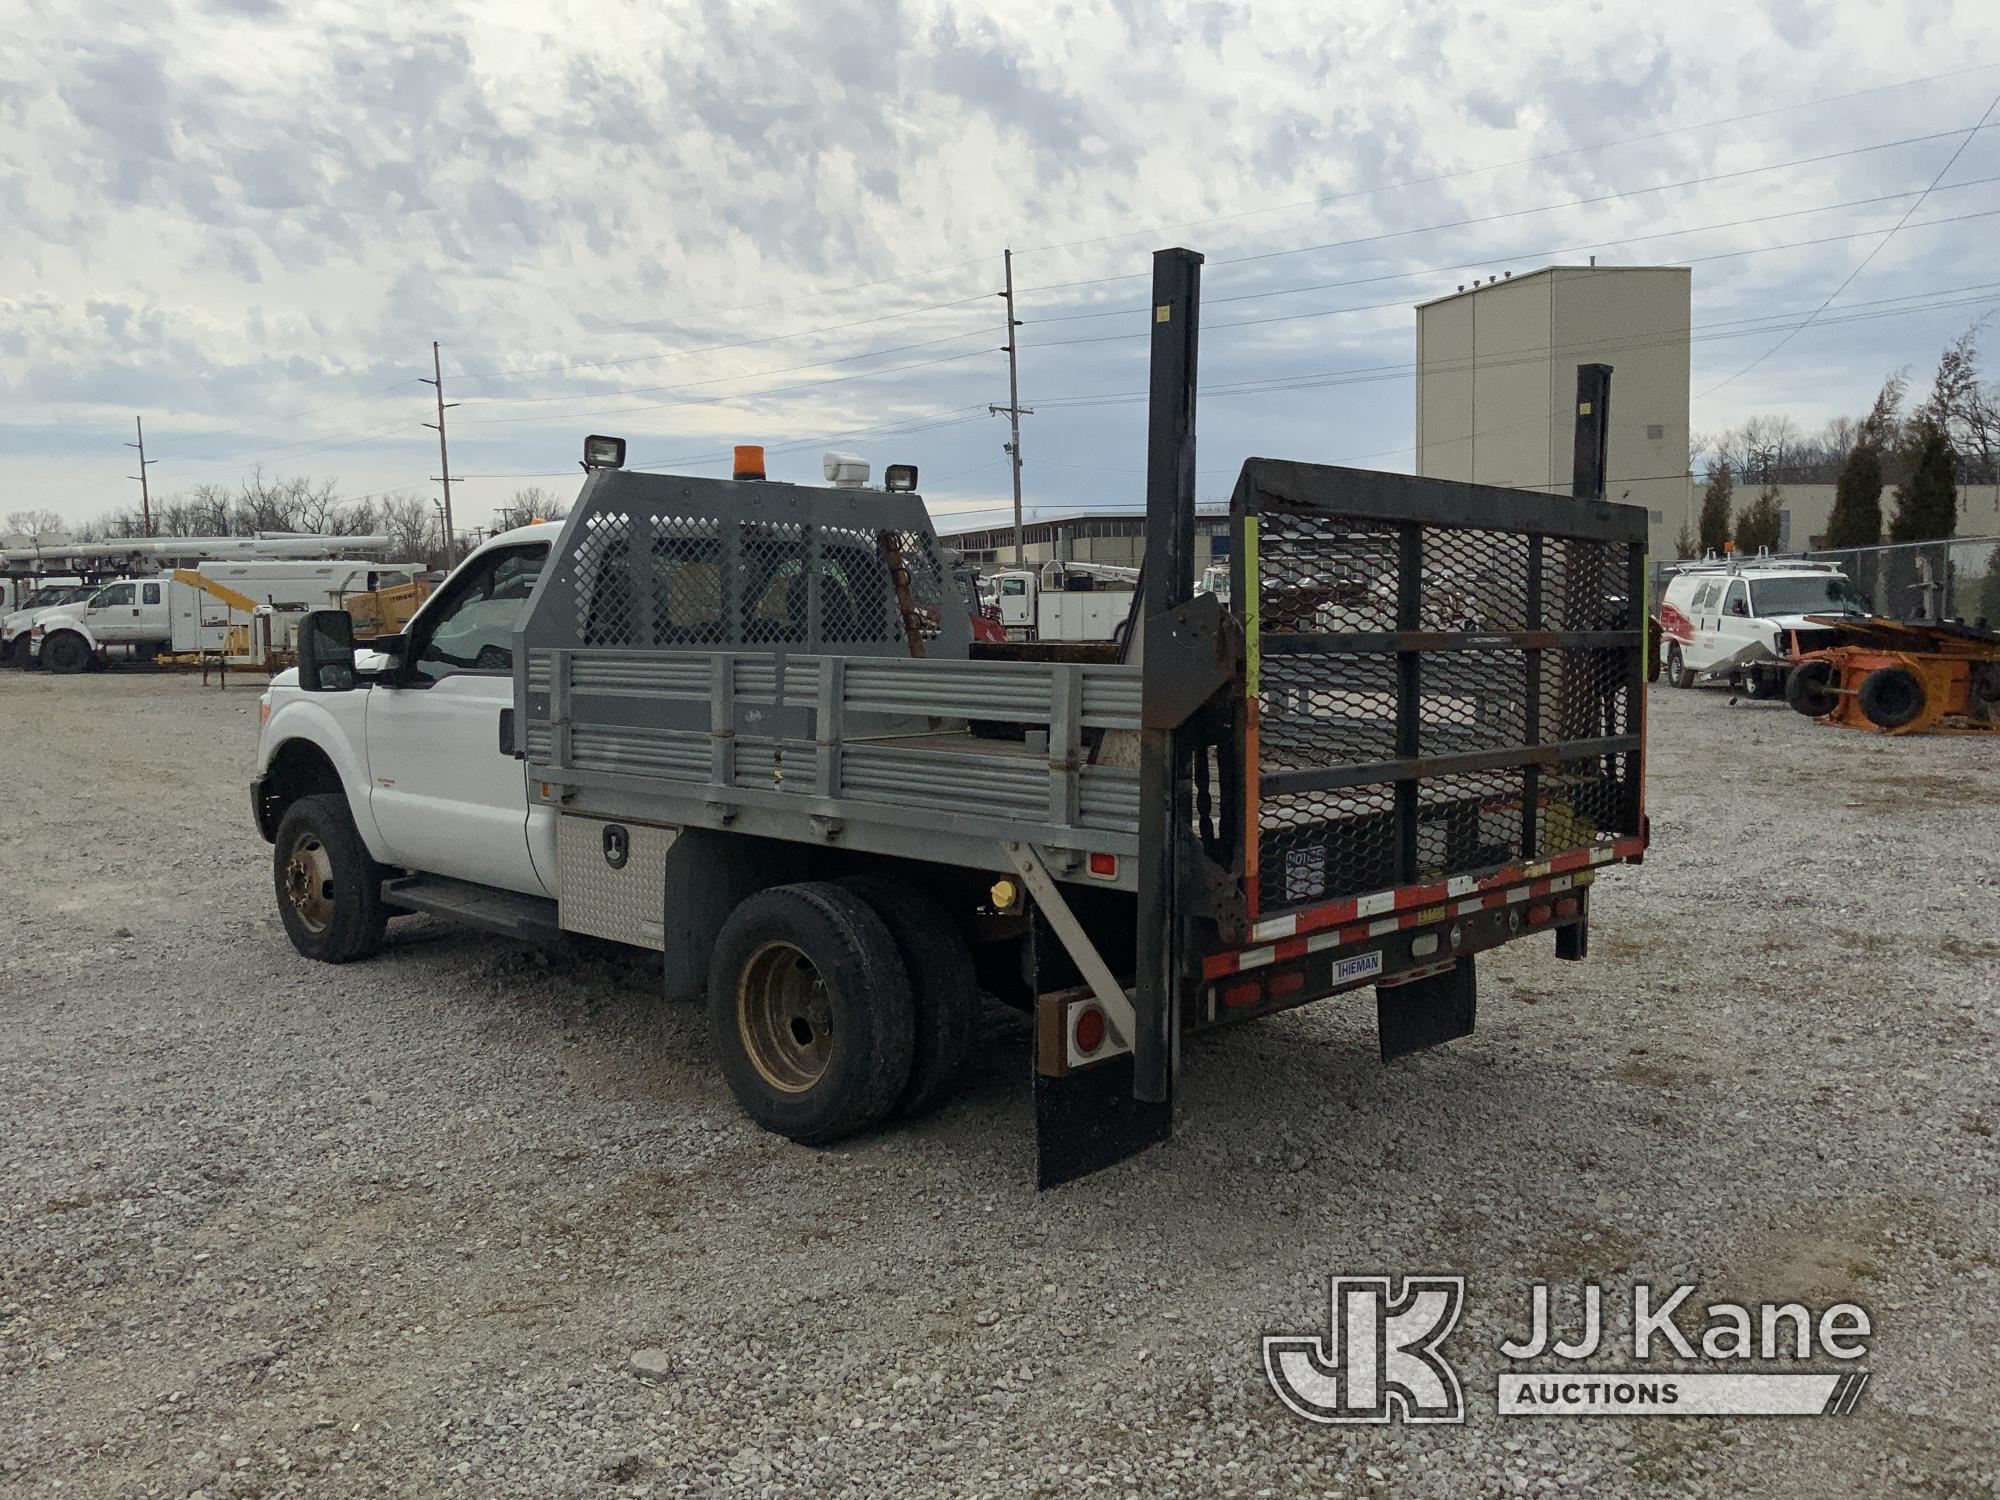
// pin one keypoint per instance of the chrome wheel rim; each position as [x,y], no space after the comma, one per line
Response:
[309,883]
[784,1016]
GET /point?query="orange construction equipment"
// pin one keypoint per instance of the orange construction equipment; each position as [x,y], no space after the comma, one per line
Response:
[1901,677]
[385,611]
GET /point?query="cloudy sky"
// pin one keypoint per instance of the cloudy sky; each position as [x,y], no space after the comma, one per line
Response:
[702,223]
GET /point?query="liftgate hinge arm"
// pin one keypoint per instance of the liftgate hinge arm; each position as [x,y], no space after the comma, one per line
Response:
[1104,985]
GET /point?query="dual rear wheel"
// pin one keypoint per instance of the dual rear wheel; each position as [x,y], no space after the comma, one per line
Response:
[835,1006]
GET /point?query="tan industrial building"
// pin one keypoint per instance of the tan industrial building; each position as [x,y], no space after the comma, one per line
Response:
[1496,382]
[1114,537]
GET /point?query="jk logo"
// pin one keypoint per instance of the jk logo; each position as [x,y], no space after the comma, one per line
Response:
[1379,1361]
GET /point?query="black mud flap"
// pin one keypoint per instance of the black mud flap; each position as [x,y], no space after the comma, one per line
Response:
[1425,1012]
[1088,1120]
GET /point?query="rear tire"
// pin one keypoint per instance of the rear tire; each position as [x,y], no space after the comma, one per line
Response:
[1677,671]
[1891,697]
[66,653]
[17,652]
[329,888]
[809,1008]
[1809,689]
[944,989]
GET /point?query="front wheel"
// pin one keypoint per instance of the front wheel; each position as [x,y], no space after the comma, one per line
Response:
[809,1008]
[65,653]
[329,888]
[1677,670]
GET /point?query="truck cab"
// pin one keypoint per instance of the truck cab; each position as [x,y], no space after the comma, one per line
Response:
[419,753]
[128,617]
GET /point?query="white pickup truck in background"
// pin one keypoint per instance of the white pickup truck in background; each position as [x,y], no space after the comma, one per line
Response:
[49,601]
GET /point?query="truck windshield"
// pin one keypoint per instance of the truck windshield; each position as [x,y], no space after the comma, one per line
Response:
[1824,594]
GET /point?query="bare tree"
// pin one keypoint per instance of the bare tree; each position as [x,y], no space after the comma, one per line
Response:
[529,503]
[1966,411]
[32,522]
[412,527]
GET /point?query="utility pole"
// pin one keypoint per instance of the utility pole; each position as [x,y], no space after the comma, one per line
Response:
[145,495]
[444,454]
[1015,411]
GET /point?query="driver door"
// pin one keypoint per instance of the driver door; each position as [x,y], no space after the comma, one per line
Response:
[446,799]
[113,615]
[1734,632]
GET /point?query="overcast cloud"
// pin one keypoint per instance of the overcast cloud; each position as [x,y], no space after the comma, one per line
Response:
[248,219]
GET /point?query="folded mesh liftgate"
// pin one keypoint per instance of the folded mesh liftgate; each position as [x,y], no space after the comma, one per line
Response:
[1443,679]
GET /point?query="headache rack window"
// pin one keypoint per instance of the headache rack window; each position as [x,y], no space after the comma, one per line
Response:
[1444,679]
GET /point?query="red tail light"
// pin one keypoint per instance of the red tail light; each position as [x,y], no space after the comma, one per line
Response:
[1242,994]
[1104,866]
[1089,1030]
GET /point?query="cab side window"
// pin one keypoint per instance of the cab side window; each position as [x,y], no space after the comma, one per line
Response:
[473,630]
[118,593]
[1738,600]
[152,594]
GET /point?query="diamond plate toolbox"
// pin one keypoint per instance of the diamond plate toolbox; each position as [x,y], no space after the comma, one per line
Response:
[612,879]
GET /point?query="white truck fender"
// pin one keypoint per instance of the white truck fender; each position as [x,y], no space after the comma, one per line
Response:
[302,719]
[53,628]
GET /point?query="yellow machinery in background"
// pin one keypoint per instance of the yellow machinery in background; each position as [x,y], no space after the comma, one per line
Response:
[386,611]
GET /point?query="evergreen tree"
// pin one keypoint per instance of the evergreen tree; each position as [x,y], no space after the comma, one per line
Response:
[1713,527]
[1760,523]
[1927,507]
[1684,543]
[1856,520]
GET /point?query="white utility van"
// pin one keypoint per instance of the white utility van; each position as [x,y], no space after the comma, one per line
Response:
[1742,621]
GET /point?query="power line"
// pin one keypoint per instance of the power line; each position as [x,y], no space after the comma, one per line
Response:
[1516,213]
[725,399]
[1332,312]
[1848,281]
[644,390]
[774,338]
[287,416]
[1522,161]
[1520,255]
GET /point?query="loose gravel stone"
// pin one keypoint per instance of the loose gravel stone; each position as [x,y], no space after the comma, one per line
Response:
[269,1228]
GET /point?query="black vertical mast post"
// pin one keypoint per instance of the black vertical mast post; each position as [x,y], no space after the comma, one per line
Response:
[1166,805]
[1593,431]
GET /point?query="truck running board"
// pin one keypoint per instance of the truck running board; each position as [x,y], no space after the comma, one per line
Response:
[532,919]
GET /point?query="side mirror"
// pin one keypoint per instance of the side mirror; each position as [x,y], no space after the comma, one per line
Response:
[1740,608]
[326,651]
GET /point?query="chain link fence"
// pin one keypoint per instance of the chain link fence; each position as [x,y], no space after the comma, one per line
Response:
[1954,579]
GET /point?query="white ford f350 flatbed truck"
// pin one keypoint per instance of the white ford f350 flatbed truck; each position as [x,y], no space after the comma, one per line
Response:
[732,721]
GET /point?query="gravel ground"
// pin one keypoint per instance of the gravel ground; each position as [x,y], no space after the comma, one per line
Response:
[400,1228]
